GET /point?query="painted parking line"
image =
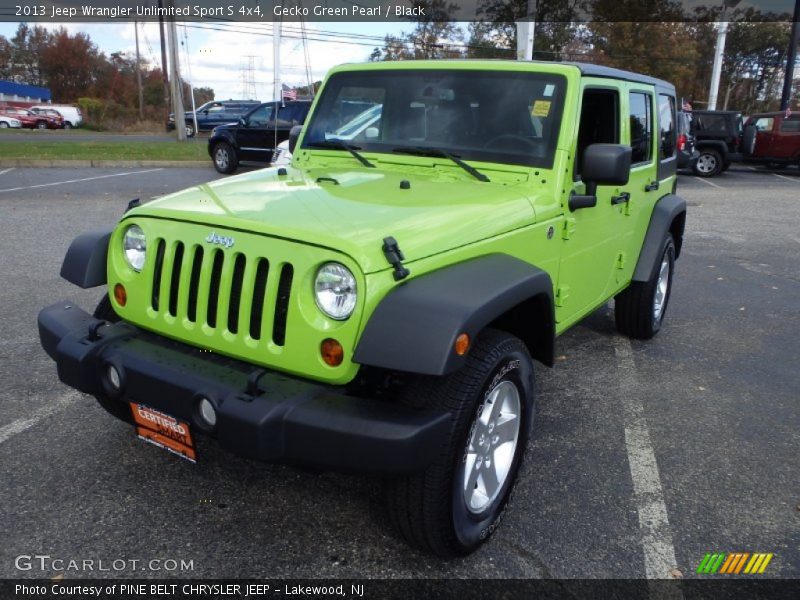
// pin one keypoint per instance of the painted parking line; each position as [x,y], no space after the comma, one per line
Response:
[41,185]
[20,425]
[4,171]
[657,546]
[711,183]
[792,179]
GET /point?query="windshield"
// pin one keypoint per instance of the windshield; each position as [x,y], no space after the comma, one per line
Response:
[494,116]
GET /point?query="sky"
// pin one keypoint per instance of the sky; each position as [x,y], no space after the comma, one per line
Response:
[218,53]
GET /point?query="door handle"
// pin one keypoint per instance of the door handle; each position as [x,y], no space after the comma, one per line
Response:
[621,199]
[651,186]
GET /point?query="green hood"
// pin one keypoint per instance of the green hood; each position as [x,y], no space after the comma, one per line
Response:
[440,211]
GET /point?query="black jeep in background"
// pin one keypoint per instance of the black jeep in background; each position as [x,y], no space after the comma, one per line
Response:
[718,138]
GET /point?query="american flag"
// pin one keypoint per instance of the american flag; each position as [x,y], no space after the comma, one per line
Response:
[290,94]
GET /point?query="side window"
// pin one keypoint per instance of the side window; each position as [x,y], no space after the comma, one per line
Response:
[666,126]
[599,122]
[764,124]
[289,113]
[260,116]
[641,127]
[790,126]
[215,108]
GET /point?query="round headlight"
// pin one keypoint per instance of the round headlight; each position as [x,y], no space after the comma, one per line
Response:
[134,247]
[335,291]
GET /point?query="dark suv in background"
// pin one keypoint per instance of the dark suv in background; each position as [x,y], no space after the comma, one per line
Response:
[687,154]
[214,113]
[255,136]
[718,139]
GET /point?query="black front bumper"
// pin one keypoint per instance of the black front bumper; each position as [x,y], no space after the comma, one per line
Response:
[260,414]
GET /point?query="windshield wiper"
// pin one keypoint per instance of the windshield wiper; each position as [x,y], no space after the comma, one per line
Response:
[340,145]
[426,151]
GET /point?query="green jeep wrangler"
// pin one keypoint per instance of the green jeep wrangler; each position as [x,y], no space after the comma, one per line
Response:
[377,305]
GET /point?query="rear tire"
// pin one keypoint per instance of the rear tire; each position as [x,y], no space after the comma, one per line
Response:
[709,163]
[67,125]
[41,125]
[224,157]
[639,310]
[454,506]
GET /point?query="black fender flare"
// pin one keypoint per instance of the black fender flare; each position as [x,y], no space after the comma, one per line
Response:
[85,261]
[713,144]
[669,215]
[415,326]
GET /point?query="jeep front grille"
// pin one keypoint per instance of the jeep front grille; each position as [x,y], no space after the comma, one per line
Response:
[224,289]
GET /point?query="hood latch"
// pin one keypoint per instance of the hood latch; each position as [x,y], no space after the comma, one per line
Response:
[395,257]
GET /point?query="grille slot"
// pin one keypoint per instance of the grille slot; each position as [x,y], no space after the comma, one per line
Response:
[236,293]
[159,266]
[259,294]
[213,289]
[175,282]
[282,305]
[194,284]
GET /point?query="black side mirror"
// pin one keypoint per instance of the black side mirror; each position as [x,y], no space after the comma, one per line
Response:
[294,134]
[603,164]
[242,122]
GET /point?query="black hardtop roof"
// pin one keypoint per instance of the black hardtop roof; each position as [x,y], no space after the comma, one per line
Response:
[591,70]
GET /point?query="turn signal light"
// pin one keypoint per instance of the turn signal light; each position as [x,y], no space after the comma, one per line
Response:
[462,344]
[332,352]
[120,295]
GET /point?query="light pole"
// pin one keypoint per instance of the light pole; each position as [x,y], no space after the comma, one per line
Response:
[716,71]
[786,96]
[525,32]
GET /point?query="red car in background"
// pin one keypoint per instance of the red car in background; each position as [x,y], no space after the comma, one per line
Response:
[32,120]
[773,139]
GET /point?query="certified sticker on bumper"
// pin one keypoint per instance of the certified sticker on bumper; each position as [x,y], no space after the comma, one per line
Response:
[164,431]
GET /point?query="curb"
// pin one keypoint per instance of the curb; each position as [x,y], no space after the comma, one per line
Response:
[38,163]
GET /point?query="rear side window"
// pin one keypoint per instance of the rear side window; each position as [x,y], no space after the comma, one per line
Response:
[641,123]
[764,124]
[666,126]
[790,125]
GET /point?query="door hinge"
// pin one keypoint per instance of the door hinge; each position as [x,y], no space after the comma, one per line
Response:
[568,228]
[562,293]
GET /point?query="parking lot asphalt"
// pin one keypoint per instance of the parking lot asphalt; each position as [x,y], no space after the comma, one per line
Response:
[703,421]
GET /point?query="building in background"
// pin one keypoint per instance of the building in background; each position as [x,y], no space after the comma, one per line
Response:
[19,94]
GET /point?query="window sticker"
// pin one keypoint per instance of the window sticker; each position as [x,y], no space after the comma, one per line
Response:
[549,89]
[541,108]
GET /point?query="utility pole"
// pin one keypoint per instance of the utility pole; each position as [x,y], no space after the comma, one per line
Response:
[164,75]
[788,78]
[176,84]
[139,73]
[525,32]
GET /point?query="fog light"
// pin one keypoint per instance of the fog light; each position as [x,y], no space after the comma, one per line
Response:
[208,413]
[332,352]
[113,378]
[120,295]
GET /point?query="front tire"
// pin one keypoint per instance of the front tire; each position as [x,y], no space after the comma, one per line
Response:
[3,125]
[709,163]
[190,130]
[639,310]
[67,125]
[225,159]
[41,125]
[455,505]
